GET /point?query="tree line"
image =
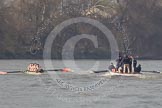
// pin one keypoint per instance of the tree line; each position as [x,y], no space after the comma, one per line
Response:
[136,25]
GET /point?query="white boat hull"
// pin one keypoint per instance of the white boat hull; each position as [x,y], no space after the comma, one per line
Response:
[121,74]
[32,73]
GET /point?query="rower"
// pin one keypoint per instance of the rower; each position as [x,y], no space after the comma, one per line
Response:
[34,67]
[39,69]
[30,67]
[138,69]
[112,67]
[120,70]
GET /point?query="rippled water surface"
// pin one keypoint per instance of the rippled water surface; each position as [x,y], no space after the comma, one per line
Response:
[86,90]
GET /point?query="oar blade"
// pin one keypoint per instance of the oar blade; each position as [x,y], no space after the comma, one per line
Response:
[3,73]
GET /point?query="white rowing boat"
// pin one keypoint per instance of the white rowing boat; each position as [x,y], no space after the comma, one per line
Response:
[33,73]
[121,74]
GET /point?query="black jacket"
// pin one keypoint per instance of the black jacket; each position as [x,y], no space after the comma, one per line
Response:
[126,60]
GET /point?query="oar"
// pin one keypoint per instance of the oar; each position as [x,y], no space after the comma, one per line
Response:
[101,71]
[63,70]
[54,70]
[152,71]
[4,73]
[16,72]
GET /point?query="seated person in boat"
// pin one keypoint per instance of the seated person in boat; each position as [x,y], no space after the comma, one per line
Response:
[39,69]
[33,67]
[120,70]
[138,69]
[112,67]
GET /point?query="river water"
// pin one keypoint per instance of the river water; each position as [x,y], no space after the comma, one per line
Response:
[74,90]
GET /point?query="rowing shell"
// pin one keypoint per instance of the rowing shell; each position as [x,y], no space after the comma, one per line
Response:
[33,73]
[121,74]
[26,72]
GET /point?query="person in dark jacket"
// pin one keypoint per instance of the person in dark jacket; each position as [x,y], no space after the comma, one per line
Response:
[119,62]
[130,63]
[126,62]
[138,69]
[111,67]
[134,64]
